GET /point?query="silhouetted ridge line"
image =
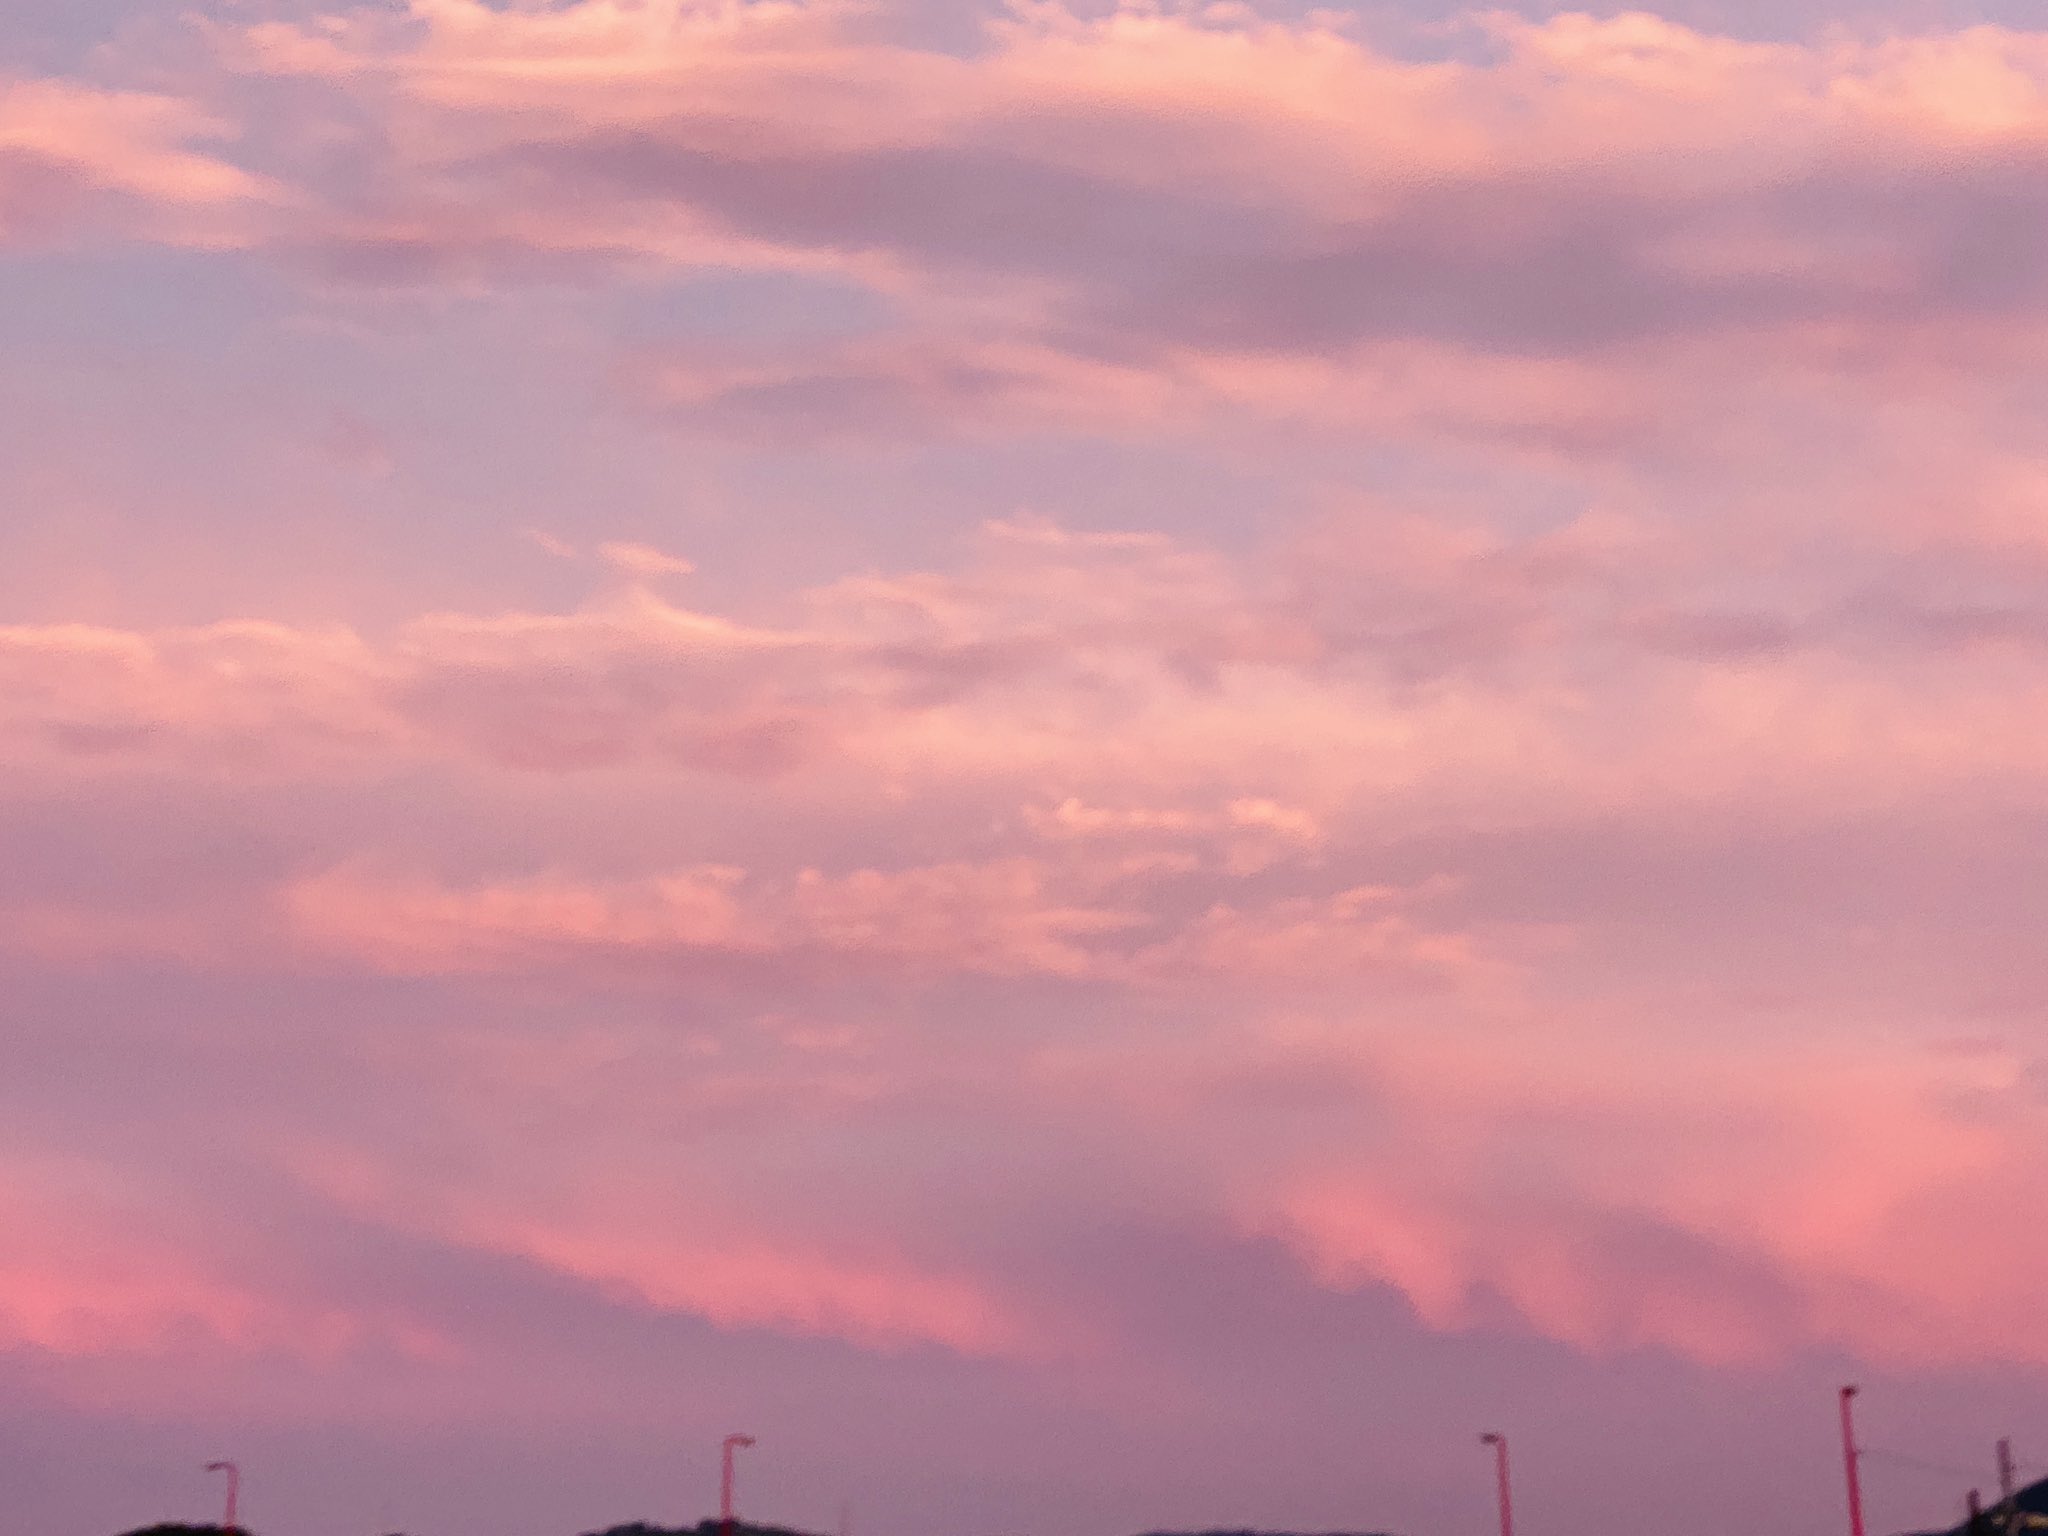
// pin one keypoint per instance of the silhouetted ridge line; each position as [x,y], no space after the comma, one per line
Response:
[2027,1515]
[701,1528]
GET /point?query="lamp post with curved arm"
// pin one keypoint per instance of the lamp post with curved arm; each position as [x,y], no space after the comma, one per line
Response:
[234,1488]
[1500,1476]
[732,1443]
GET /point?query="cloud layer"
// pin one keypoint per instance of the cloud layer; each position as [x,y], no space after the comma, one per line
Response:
[1057,724]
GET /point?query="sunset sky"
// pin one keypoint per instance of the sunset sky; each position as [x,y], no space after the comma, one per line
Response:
[1114,766]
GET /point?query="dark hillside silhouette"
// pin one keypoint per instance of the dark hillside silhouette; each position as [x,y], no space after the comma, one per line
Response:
[745,1528]
[2027,1515]
[739,1528]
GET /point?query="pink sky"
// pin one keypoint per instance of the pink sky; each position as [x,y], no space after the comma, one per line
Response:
[1112,765]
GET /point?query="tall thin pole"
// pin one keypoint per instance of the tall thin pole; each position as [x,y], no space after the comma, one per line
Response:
[732,1443]
[2007,1481]
[1850,1457]
[1500,1476]
[234,1488]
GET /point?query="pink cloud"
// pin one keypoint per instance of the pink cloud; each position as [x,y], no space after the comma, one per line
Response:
[1355,934]
[1603,233]
[243,689]
[1173,209]
[740,1282]
[1695,1200]
[996,920]
[1222,781]
[1457,675]
[1012,918]
[891,384]
[673,1240]
[66,146]
[92,1270]
[643,561]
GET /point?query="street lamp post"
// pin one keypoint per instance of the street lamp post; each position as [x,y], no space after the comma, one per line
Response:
[732,1443]
[234,1488]
[1500,1477]
[1850,1457]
